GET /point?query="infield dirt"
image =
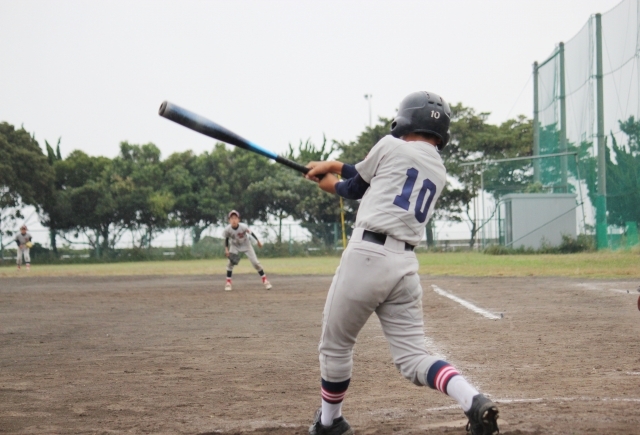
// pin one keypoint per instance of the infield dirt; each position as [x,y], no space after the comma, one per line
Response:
[177,354]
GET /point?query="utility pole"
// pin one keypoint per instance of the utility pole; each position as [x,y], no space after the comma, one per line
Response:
[601,199]
[563,125]
[368,97]
[536,125]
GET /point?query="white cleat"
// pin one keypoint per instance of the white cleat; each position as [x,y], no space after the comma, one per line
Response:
[267,285]
[227,287]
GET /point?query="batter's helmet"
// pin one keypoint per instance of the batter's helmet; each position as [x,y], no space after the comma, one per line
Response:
[423,112]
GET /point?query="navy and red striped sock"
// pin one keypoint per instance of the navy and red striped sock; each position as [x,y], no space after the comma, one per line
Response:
[439,375]
[443,377]
[332,396]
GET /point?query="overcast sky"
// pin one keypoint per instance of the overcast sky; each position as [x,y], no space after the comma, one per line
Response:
[275,72]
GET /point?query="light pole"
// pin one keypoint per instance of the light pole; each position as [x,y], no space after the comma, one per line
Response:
[368,98]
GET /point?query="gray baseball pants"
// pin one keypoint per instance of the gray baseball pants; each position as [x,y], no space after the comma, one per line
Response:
[381,279]
[251,255]
[21,252]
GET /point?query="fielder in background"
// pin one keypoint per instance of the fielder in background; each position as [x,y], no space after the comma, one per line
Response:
[238,234]
[24,244]
[399,182]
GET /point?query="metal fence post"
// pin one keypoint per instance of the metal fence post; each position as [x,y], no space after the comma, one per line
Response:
[601,199]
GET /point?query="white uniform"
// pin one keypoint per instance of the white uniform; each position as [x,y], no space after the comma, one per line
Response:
[405,180]
[22,240]
[239,242]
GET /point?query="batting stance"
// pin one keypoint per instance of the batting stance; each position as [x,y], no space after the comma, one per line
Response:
[399,183]
[23,239]
[238,234]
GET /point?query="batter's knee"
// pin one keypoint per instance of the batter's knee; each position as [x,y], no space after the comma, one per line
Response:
[415,367]
[336,367]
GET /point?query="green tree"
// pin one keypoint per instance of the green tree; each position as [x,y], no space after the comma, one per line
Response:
[318,211]
[150,200]
[623,176]
[55,210]
[26,178]
[277,195]
[90,200]
[622,162]
[355,151]
[473,139]
[201,195]
[25,175]
[242,169]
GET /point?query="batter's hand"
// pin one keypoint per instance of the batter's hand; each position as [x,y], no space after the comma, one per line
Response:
[322,168]
[226,252]
[328,183]
[259,244]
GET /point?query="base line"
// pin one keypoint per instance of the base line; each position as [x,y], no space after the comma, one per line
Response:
[465,304]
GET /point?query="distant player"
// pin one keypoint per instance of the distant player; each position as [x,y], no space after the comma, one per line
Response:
[399,183]
[236,241]
[24,244]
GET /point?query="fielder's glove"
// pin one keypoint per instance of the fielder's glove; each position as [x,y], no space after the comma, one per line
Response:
[234,258]
[29,245]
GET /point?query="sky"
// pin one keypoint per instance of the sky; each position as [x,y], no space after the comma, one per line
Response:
[276,72]
[94,73]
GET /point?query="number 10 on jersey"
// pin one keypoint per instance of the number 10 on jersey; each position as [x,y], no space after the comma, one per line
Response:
[422,207]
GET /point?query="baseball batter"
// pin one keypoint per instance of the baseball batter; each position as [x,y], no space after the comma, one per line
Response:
[23,239]
[399,183]
[236,241]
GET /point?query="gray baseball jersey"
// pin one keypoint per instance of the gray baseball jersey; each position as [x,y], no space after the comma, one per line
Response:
[238,237]
[406,179]
[22,239]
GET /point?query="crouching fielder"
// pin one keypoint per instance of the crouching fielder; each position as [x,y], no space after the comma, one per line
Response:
[24,244]
[237,241]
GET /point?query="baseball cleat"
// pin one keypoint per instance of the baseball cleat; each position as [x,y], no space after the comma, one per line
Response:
[340,426]
[267,285]
[227,287]
[483,416]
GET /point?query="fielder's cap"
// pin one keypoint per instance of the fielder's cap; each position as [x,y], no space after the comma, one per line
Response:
[24,227]
[232,212]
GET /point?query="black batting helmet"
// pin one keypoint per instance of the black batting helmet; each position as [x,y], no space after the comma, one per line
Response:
[423,112]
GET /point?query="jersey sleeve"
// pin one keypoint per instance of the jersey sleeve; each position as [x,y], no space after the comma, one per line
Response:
[348,171]
[367,168]
[353,188]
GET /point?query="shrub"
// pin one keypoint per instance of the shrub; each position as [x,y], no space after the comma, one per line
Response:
[569,245]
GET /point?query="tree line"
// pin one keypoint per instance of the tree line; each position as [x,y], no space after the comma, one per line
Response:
[139,192]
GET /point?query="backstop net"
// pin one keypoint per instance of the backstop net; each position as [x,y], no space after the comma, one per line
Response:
[586,99]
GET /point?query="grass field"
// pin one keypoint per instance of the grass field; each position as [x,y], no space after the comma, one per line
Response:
[605,264]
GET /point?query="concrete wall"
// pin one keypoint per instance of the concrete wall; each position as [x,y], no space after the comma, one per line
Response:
[534,218]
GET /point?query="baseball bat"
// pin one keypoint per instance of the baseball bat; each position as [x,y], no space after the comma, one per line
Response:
[209,128]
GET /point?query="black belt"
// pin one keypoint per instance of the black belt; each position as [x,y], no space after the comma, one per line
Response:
[380,239]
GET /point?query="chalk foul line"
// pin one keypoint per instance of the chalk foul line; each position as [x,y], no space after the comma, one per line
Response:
[469,305]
